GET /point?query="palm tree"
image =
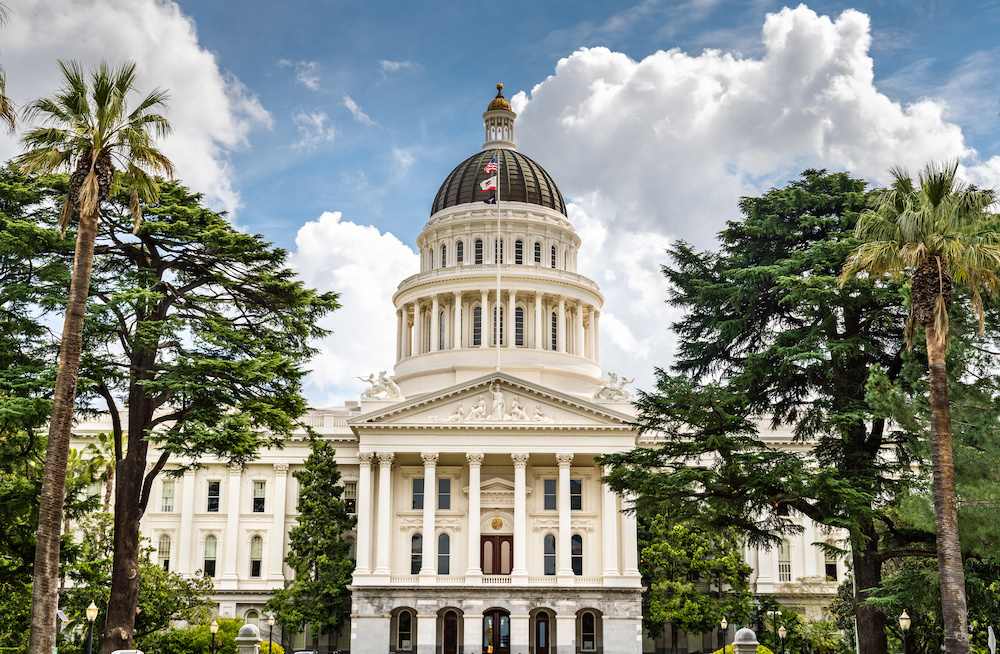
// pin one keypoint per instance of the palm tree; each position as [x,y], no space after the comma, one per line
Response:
[89,130]
[936,231]
[6,106]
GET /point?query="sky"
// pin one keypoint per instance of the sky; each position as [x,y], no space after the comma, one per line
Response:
[328,126]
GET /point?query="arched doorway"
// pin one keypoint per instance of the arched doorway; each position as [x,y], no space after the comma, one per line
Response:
[450,633]
[543,634]
[496,632]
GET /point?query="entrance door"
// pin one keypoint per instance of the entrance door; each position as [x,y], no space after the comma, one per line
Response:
[542,635]
[496,553]
[450,633]
[496,632]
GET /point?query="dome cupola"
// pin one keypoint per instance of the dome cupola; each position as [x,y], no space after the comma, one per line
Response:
[499,119]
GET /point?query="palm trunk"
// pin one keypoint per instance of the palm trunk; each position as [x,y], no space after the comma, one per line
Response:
[44,592]
[949,550]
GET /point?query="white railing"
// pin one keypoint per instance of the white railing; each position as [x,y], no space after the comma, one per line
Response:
[496,580]
[405,580]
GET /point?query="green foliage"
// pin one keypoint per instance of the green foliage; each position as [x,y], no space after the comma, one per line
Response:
[265,647]
[729,649]
[196,639]
[318,551]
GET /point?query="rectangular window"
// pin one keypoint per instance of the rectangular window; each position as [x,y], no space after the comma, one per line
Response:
[550,494]
[784,561]
[831,568]
[444,494]
[213,496]
[167,505]
[477,326]
[256,555]
[459,252]
[553,257]
[351,496]
[576,494]
[518,252]
[418,494]
[211,546]
[538,252]
[163,552]
[479,251]
[258,496]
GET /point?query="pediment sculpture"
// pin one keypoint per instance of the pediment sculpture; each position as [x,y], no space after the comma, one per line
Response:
[381,387]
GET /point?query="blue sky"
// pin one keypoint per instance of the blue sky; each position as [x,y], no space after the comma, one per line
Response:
[328,126]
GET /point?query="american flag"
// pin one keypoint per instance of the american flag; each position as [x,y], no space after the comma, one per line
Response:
[492,166]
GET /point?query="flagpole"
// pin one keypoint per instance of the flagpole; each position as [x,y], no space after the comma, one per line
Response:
[499,257]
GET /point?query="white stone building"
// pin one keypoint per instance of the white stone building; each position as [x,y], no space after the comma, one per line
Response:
[483,525]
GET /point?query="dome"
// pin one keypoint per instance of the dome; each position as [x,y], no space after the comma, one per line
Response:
[521,180]
[499,102]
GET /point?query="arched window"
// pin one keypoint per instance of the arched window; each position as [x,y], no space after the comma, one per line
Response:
[576,551]
[459,252]
[784,561]
[256,555]
[538,252]
[211,547]
[555,332]
[830,562]
[163,552]
[553,257]
[444,558]
[497,324]
[252,618]
[404,631]
[477,326]
[588,632]
[416,554]
[479,250]
[444,256]
[441,331]
[498,251]
[550,554]
[518,252]
[565,260]
[519,326]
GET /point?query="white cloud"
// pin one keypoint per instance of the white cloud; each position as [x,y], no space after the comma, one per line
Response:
[306,72]
[212,113]
[396,66]
[364,266]
[313,129]
[403,160]
[359,115]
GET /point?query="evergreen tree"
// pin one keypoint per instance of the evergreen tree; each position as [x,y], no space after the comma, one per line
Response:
[318,551]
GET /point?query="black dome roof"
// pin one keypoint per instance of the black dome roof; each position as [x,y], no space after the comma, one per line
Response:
[521,180]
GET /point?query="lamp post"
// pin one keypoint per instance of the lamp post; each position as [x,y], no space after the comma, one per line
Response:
[782,632]
[214,627]
[91,616]
[725,626]
[270,634]
[904,624]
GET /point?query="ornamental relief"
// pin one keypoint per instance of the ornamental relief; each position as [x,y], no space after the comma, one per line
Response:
[552,524]
[498,410]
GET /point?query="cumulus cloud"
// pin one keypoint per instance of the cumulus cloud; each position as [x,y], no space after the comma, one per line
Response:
[396,66]
[313,129]
[355,110]
[306,72]
[364,266]
[212,113]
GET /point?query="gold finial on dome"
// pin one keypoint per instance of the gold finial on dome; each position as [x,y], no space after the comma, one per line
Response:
[499,102]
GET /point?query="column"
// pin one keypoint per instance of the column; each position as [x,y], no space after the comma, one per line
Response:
[520,568]
[428,570]
[408,329]
[609,528]
[399,334]
[511,322]
[578,346]
[473,639]
[486,324]
[276,543]
[418,328]
[231,540]
[426,633]
[519,636]
[474,575]
[561,326]
[384,513]
[564,568]
[590,334]
[363,549]
[185,566]
[566,635]
[456,325]
[597,335]
[435,324]
[539,341]
[630,544]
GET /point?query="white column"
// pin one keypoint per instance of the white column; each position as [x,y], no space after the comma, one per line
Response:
[399,334]
[232,541]
[435,324]
[473,630]
[418,328]
[426,633]
[630,543]
[363,550]
[520,516]
[185,564]
[428,570]
[590,334]
[384,513]
[609,528]
[408,332]
[511,323]
[539,341]
[564,569]
[456,325]
[596,320]
[566,636]
[486,324]
[578,346]
[519,635]
[276,544]
[561,326]
[474,575]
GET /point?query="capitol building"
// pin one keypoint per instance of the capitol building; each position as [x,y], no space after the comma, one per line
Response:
[482,521]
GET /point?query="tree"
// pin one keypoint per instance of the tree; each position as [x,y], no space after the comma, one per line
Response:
[318,552]
[935,232]
[86,128]
[677,560]
[770,335]
[7,110]
[197,639]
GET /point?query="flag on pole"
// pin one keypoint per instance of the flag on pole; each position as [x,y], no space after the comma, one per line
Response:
[493,166]
[488,184]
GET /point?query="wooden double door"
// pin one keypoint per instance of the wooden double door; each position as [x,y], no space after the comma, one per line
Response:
[496,554]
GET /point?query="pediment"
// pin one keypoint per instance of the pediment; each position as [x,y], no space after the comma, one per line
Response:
[495,401]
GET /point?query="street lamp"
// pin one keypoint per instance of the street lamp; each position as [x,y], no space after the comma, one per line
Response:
[904,624]
[91,616]
[270,633]
[214,627]
[725,626]
[782,632]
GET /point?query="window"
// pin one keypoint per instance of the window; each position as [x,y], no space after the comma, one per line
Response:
[588,632]
[519,327]
[163,552]
[498,251]
[444,256]
[213,496]
[444,494]
[404,631]
[444,549]
[831,568]
[553,256]
[351,496]
[576,494]
[252,618]
[418,494]
[550,554]
[256,555]
[549,487]
[211,547]
[784,561]
[479,250]
[416,554]
[538,252]
[477,326]
[576,552]
[518,252]
[497,324]
[441,330]
[555,333]
[565,260]
[167,504]
[258,496]
[459,252]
